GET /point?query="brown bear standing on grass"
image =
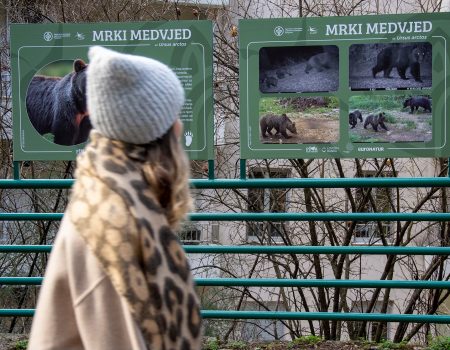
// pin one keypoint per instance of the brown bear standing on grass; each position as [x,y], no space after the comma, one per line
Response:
[281,123]
[58,106]
[353,118]
[375,120]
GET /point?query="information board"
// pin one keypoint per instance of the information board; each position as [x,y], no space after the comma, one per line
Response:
[43,55]
[345,87]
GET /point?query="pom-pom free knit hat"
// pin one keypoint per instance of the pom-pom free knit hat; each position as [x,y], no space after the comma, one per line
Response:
[131,98]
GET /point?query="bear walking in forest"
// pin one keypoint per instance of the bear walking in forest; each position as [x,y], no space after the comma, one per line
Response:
[58,106]
[353,118]
[375,120]
[416,102]
[400,57]
[281,123]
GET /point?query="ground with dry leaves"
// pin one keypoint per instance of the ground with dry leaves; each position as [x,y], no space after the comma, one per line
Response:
[19,341]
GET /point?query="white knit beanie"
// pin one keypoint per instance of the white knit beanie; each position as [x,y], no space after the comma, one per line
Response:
[131,98]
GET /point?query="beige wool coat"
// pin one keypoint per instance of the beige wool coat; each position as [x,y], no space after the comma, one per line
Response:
[77,298]
[117,278]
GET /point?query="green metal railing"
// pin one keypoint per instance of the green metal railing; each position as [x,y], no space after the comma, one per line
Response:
[276,282]
[244,183]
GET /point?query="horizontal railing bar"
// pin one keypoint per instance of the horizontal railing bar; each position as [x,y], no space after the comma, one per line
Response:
[17,312]
[277,282]
[31,216]
[265,216]
[321,182]
[320,217]
[288,315]
[369,250]
[21,281]
[259,183]
[257,249]
[34,248]
[37,183]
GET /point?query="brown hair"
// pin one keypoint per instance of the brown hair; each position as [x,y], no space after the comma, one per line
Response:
[167,172]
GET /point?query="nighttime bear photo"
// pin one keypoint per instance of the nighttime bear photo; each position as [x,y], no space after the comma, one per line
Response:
[402,58]
[57,106]
[299,69]
[390,66]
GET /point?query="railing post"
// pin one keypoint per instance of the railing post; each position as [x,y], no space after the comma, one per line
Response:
[16,170]
[211,169]
[243,169]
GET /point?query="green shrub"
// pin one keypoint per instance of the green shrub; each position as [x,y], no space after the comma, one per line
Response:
[21,345]
[212,344]
[307,340]
[237,345]
[439,343]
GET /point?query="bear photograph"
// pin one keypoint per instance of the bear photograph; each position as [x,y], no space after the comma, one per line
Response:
[296,120]
[388,118]
[56,102]
[299,69]
[390,66]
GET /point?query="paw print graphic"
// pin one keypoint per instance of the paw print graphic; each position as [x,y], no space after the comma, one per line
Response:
[188,138]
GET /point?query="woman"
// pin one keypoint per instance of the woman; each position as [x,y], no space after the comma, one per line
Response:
[117,276]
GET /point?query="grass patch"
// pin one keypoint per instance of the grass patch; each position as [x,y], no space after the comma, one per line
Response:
[300,104]
[21,345]
[318,110]
[356,138]
[271,105]
[410,125]
[376,103]
[307,340]
[390,118]
[212,344]
[237,345]
[439,343]
[360,138]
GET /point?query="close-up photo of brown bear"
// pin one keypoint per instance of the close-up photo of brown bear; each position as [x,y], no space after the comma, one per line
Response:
[281,123]
[299,120]
[390,66]
[56,103]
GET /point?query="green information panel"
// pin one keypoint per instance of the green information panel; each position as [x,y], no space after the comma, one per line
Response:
[50,117]
[345,87]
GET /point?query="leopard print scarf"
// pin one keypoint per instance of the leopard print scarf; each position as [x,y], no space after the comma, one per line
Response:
[120,220]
